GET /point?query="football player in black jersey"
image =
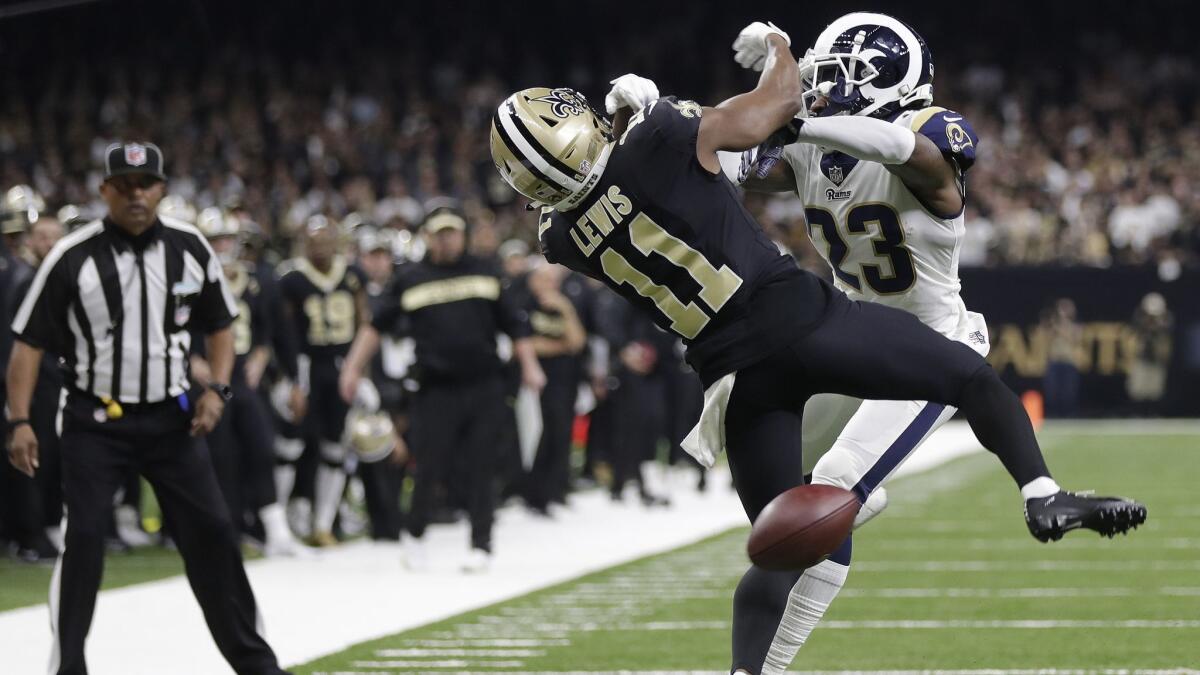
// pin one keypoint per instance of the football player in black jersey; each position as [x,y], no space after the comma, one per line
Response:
[326,302]
[645,208]
[242,441]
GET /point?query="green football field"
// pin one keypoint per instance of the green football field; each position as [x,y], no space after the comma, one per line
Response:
[946,580]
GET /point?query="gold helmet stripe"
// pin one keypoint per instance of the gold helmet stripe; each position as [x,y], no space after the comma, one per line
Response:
[524,149]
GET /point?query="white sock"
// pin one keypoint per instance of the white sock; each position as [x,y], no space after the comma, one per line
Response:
[285,479]
[331,481]
[1039,488]
[274,521]
[809,599]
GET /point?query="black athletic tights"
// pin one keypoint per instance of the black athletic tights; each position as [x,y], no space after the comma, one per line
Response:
[867,351]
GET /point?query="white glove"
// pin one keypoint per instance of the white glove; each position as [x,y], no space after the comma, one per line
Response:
[750,48]
[630,90]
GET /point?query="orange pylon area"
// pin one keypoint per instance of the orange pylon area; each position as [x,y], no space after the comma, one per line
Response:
[1034,407]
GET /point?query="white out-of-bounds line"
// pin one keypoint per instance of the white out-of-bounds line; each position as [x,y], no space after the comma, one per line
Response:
[977,671]
[1067,592]
[1027,565]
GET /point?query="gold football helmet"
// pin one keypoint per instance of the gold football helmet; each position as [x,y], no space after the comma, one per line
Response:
[370,434]
[213,222]
[20,209]
[550,146]
[175,206]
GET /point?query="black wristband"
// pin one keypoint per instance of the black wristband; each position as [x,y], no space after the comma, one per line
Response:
[13,424]
[223,390]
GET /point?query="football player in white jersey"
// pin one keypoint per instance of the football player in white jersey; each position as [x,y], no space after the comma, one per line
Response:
[881,173]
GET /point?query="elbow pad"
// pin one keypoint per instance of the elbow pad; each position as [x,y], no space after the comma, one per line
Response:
[862,137]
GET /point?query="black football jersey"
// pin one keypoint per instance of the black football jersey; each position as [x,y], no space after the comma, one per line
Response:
[252,327]
[322,307]
[675,240]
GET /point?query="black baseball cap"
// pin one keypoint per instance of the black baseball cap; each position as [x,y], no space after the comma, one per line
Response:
[128,158]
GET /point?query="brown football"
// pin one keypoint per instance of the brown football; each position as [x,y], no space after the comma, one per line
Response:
[801,527]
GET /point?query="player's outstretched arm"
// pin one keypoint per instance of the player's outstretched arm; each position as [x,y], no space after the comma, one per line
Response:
[748,119]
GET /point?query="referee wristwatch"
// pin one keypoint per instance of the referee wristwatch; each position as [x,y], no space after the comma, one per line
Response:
[223,390]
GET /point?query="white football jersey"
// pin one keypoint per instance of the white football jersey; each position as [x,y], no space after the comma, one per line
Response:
[883,245]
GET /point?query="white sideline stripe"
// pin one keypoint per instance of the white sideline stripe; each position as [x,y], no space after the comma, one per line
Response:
[979,671]
[1139,427]
[397,653]
[1027,565]
[1064,592]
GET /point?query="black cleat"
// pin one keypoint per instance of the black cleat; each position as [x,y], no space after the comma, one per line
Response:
[1049,518]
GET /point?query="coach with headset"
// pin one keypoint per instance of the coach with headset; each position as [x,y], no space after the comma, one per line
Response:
[116,300]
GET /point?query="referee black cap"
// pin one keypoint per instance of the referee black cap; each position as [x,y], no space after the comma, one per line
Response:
[126,158]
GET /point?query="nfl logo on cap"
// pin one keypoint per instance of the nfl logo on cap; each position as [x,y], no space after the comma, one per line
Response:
[135,154]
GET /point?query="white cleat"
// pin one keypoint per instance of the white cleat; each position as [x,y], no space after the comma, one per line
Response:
[478,561]
[288,547]
[876,502]
[416,554]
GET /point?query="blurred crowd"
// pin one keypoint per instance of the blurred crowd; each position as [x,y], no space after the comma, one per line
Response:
[1083,161]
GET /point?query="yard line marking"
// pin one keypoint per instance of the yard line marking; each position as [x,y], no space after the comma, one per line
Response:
[453,663]
[979,671]
[1026,565]
[1061,592]
[423,652]
[1021,624]
[476,642]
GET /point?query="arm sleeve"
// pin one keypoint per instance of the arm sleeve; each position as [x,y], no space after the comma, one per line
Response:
[283,342]
[950,132]
[387,319]
[41,318]
[215,307]
[862,137]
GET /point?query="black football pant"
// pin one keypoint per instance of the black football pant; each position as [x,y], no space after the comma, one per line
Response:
[549,477]
[867,351]
[242,448]
[639,409]
[455,430]
[96,458]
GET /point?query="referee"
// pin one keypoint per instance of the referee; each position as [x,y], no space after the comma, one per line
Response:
[115,300]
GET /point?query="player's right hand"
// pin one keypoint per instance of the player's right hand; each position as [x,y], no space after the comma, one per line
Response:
[750,48]
[23,450]
[632,91]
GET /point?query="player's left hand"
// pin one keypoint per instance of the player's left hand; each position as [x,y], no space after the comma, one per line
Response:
[208,413]
[533,377]
[632,91]
[750,48]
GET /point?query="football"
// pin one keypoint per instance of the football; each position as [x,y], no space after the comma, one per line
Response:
[801,527]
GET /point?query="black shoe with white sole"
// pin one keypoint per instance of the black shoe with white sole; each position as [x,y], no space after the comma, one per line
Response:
[1049,518]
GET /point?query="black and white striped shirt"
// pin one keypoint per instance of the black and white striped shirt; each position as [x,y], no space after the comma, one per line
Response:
[118,309]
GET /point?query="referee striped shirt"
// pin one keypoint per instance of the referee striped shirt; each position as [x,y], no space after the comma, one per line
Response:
[119,309]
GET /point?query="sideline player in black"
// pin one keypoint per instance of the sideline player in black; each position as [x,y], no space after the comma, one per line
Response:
[647,211]
[454,304]
[242,442]
[326,302]
[116,300]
